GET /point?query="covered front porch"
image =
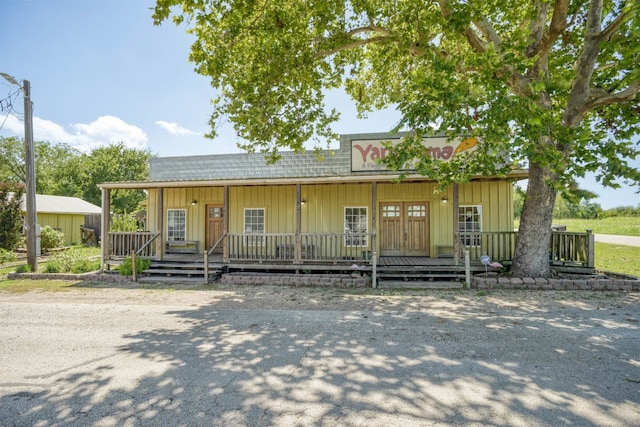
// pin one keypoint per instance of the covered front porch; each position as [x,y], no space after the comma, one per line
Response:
[309,253]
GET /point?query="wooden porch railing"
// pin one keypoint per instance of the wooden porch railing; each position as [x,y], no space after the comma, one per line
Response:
[317,247]
[566,248]
[499,245]
[123,243]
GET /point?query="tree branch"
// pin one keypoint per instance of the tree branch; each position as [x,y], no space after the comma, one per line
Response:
[625,95]
[489,32]
[536,28]
[615,24]
[352,45]
[556,27]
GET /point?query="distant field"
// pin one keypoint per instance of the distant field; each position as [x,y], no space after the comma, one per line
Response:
[613,258]
[621,226]
[618,259]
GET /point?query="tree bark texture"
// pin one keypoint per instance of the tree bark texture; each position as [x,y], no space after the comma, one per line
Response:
[531,258]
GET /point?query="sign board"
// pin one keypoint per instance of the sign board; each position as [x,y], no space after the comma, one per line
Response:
[365,154]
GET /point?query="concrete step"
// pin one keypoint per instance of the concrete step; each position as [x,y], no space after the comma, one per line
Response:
[170,279]
[419,284]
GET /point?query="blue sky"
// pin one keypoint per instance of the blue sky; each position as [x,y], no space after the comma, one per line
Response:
[101,72]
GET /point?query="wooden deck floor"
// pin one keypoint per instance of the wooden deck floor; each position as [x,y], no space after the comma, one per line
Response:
[385,261]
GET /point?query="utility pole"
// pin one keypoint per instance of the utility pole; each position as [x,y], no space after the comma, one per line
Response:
[29,158]
[30,178]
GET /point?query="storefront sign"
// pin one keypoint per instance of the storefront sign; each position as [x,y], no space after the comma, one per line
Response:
[365,154]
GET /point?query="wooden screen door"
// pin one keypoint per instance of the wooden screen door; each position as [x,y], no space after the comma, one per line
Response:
[215,226]
[404,229]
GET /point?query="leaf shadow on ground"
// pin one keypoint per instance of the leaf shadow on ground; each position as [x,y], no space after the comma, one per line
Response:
[394,361]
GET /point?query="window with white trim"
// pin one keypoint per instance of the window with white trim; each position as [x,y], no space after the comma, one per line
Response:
[176,224]
[356,226]
[254,224]
[470,221]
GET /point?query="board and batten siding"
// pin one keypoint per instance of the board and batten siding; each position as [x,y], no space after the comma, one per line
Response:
[68,224]
[181,198]
[496,199]
[323,210]
[278,202]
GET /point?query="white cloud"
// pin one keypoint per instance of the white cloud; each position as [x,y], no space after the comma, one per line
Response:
[175,129]
[103,131]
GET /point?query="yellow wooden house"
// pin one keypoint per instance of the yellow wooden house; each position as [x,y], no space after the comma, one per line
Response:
[302,210]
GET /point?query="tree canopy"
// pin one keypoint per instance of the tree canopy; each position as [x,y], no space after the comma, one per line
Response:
[64,171]
[548,84]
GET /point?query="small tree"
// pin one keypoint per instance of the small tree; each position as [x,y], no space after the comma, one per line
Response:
[10,219]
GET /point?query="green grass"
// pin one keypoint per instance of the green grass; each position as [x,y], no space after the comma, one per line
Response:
[618,259]
[621,226]
[28,285]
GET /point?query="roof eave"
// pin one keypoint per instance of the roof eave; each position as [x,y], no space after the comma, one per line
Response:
[515,175]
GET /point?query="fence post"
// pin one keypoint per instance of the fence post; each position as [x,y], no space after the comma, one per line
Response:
[206,267]
[374,265]
[467,267]
[591,249]
[134,269]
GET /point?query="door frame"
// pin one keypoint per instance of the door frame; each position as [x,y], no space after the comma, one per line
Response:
[207,220]
[403,249]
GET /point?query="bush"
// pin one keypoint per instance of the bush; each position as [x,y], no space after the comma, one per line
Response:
[10,215]
[25,268]
[126,269]
[53,267]
[85,266]
[6,256]
[50,238]
[71,261]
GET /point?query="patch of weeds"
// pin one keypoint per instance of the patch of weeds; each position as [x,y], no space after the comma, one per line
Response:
[24,268]
[126,268]
[85,266]
[482,293]
[53,267]
[7,256]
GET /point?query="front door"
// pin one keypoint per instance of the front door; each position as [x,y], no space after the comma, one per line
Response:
[215,226]
[404,229]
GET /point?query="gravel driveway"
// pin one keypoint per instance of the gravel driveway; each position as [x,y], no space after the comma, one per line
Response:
[279,356]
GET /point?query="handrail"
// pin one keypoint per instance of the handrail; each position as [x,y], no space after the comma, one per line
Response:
[215,245]
[139,251]
[206,257]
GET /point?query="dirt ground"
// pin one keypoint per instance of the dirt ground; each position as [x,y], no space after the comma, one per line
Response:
[329,298]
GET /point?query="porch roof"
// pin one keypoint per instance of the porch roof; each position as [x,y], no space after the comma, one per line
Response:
[252,169]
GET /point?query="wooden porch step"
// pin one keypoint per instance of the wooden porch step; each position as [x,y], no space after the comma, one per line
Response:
[419,284]
[423,275]
[193,265]
[170,279]
[177,272]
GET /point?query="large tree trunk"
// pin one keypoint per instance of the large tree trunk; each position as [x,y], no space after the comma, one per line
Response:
[531,258]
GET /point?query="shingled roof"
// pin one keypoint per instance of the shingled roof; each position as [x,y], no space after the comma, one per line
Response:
[253,165]
[248,166]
